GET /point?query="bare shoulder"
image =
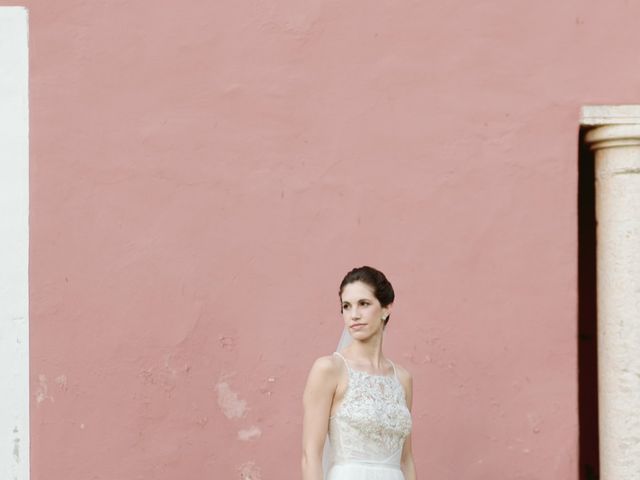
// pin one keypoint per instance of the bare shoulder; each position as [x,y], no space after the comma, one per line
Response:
[322,383]
[325,367]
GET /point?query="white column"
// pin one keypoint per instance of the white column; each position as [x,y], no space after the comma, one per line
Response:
[617,163]
[14,245]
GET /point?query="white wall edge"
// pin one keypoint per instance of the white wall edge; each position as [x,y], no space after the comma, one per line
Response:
[596,115]
[14,244]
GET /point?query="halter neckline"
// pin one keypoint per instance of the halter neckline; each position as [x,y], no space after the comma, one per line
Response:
[392,375]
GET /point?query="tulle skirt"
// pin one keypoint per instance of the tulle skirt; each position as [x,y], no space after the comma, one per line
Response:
[365,471]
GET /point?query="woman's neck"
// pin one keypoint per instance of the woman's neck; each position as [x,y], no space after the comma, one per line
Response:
[367,352]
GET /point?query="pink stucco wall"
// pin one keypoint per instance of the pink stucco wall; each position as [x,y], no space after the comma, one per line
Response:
[203,173]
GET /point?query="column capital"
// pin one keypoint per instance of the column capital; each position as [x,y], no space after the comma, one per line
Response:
[620,135]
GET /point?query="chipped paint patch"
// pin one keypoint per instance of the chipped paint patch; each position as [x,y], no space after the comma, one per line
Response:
[229,402]
[61,381]
[249,434]
[228,343]
[164,376]
[42,392]
[167,366]
[249,471]
[202,421]
[535,422]
[266,388]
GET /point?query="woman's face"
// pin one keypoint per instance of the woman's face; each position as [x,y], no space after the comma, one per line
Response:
[361,310]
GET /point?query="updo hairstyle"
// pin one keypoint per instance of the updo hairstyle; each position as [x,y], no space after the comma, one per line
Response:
[382,289]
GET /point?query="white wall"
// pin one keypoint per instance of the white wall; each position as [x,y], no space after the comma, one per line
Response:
[14,244]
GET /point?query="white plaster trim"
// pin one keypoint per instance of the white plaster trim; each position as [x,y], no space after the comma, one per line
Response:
[596,115]
[14,244]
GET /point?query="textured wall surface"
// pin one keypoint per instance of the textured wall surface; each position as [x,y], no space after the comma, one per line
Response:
[204,173]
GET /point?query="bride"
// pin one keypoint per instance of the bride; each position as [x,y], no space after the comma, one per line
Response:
[357,419]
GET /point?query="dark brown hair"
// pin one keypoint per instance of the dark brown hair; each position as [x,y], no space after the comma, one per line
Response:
[381,287]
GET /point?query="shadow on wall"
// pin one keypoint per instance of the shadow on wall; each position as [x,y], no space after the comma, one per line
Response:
[587,315]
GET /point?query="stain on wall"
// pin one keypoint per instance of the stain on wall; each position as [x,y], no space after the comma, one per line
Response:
[16,445]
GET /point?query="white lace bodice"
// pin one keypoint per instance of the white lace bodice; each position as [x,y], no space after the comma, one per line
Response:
[372,421]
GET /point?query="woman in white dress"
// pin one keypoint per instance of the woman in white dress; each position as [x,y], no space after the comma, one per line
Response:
[357,419]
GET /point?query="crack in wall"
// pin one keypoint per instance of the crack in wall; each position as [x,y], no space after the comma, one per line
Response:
[628,171]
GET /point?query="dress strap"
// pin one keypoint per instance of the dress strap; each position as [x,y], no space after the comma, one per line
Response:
[345,360]
[394,368]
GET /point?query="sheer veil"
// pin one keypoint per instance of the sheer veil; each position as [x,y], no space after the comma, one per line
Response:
[327,460]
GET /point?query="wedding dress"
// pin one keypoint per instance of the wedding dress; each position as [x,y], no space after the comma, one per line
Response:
[368,429]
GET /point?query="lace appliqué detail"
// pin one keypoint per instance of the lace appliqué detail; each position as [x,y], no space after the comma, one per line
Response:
[372,420]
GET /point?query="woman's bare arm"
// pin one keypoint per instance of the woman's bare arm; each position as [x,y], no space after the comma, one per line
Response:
[406,462]
[317,398]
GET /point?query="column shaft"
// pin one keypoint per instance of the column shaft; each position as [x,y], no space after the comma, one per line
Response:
[617,158]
